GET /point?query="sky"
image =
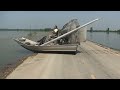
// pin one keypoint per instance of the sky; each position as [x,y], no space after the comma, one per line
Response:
[48,19]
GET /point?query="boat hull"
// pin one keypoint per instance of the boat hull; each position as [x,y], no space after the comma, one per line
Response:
[51,48]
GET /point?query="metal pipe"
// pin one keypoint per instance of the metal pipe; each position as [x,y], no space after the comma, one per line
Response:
[69,32]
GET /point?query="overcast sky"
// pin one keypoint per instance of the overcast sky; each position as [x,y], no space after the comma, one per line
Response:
[47,19]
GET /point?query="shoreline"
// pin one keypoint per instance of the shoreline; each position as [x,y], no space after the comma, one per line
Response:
[11,67]
[104,46]
[5,71]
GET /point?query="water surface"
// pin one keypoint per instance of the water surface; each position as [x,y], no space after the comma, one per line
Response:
[111,39]
[10,51]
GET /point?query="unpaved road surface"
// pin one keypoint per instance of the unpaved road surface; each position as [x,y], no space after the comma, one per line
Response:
[92,62]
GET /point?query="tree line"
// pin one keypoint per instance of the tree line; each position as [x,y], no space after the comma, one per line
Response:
[45,29]
[107,30]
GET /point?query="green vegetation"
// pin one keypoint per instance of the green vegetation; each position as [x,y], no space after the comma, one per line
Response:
[49,29]
[46,29]
[107,30]
[118,31]
[91,29]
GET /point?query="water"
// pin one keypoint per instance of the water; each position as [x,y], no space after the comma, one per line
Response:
[111,39]
[10,51]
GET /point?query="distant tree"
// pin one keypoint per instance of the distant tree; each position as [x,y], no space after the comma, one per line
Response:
[118,31]
[47,29]
[91,29]
[107,30]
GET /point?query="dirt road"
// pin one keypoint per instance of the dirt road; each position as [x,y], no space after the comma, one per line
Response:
[92,62]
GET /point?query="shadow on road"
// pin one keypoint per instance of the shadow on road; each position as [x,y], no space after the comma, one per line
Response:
[57,52]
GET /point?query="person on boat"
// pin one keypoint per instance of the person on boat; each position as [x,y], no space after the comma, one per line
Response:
[54,34]
[56,31]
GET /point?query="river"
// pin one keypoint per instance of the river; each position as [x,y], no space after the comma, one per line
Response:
[11,52]
[111,39]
